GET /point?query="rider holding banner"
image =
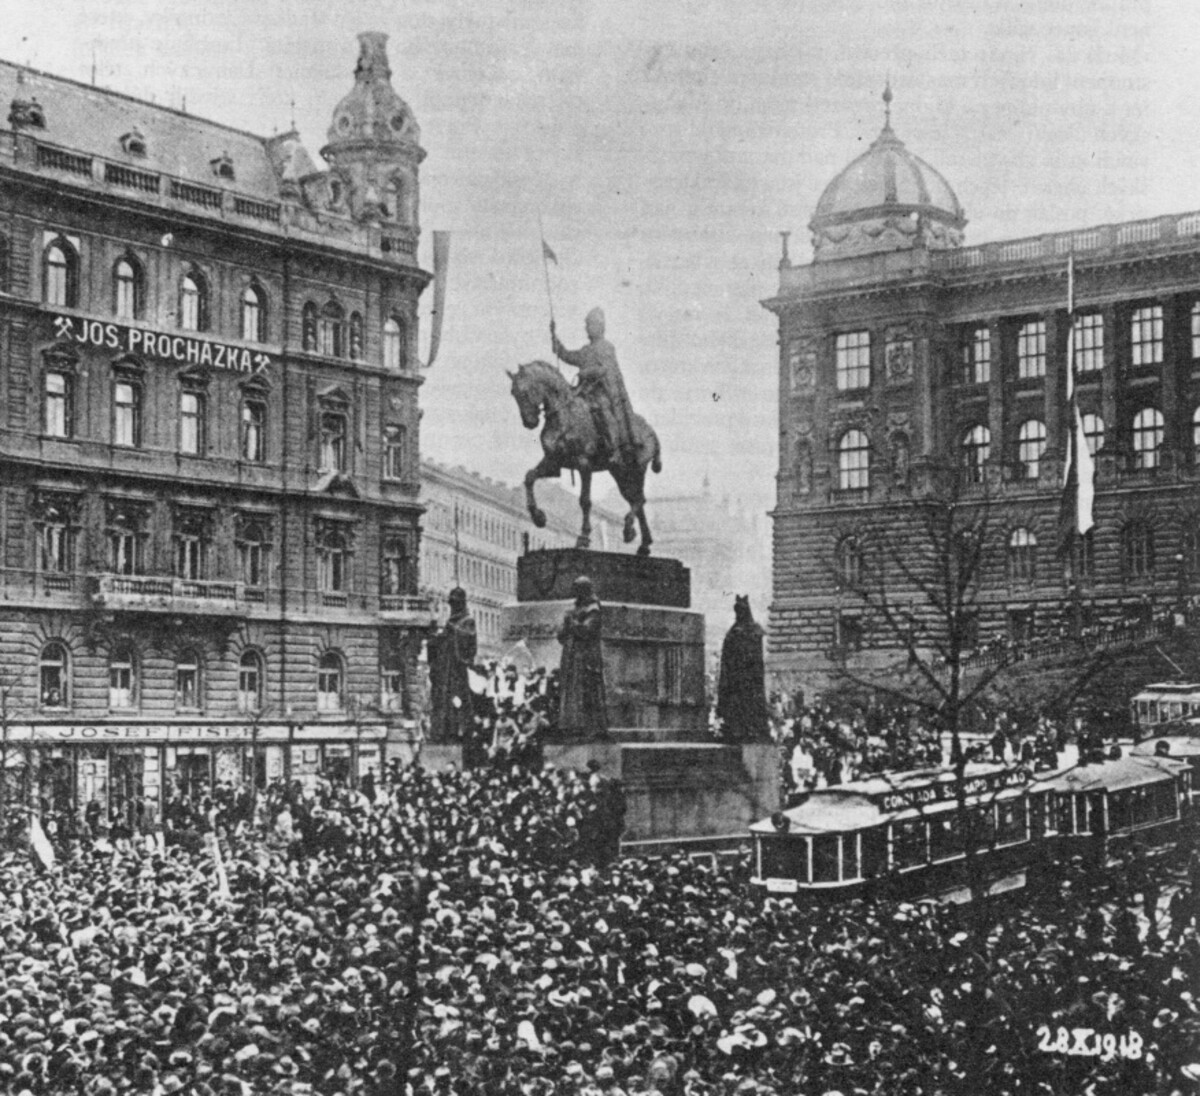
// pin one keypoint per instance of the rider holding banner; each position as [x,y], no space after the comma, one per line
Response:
[601,384]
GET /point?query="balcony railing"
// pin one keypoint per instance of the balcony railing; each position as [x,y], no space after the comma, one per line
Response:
[160,592]
[405,608]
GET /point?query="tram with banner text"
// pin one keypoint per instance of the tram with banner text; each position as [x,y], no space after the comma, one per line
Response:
[907,834]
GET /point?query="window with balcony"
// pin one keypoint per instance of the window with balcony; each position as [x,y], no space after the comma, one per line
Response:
[128,289]
[397,573]
[1137,549]
[330,331]
[54,676]
[250,682]
[127,413]
[1146,336]
[60,274]
[1031,350]
[1089,343]
[187,682]
[193,302]
[852,360]
[1031,445]
[189,556]
[254,314]
[252,550]
[254,430]
[333,560]
[330,678]
[1093,432]
[977,356]
[122,680]
[333,441]
[1022,555]
[126,542]
[394,441]
[976,448]
[854,461]
[393,344]
[56,540]
[191,422]
[57,403]
[1147,438]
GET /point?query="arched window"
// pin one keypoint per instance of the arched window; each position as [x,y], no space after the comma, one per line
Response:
[187,682]
[333,441]
[1022,555]
[308,327]
[54,676]
[356,337]
[1137,549]
[393,344]
[254,314]
[193,302]
[254,429]
[122,680]
[1147,438]
[976,447]
[333,561]
[329,682]
[848,562]
[127,412]
[252,548]
[329,331]
[397,574]
[127,289]
[61,274]
[397,199]
[1093,432]
[854,461]
[1031,444]
[250,682]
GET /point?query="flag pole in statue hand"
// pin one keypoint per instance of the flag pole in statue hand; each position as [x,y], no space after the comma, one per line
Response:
[548,257]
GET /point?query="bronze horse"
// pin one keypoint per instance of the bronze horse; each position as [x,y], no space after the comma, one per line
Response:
[570,440]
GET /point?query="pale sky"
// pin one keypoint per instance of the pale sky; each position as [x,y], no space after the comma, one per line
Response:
[665,144]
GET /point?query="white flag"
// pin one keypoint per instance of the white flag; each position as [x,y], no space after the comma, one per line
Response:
[40,843]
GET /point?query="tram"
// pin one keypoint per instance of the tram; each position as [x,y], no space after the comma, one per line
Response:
[906,832]
[1170,703]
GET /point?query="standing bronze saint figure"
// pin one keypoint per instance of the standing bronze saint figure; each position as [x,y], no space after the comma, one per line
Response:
[451,654]
[581,674]
[741,690]
[603,386]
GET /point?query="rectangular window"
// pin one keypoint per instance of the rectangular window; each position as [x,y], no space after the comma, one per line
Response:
[1011,826]
[848,632]
[1146,336]
[58,405]
[945,836]
[333,442]
[187,686]
[333,568]
[908,843]
[977,356]
[852,360]
[393,452]
[254,431]
[1089,343]
[191,422]
[127,414]
[189,556]
[1031,350]
[120,684]
[56,548]
[250,562]
[125,550]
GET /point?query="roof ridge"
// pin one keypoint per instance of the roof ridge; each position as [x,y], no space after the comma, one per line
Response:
[29,70]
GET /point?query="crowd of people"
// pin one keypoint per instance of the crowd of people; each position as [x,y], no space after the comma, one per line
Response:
[472,932]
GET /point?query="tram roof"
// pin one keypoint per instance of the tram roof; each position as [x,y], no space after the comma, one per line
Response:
[1130,771]
[1154,690]
[1181,745]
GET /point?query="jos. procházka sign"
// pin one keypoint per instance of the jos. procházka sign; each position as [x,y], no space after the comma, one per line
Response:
[168,345]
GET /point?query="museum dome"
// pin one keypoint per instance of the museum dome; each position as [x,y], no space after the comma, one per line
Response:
[885,200]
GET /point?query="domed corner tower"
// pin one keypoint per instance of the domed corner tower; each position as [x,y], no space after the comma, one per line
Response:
[886,200]
[374,147]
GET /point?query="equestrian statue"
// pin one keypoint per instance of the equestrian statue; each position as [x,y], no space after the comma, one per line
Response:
[588,427]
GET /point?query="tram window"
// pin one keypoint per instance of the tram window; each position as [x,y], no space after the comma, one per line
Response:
[785,858]
[1010,822]
[874,852]
[983,827]
[1167,805]
[825,858]
[850,856]
[945,837]
[1120,812]
[908,843]
[1064,809]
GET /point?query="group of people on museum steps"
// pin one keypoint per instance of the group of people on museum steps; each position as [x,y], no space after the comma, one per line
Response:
[471,932]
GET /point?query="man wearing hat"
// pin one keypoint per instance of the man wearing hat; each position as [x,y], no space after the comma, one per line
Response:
[451,654]
[603,386]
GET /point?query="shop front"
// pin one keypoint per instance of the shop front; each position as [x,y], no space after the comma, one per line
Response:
[124,773]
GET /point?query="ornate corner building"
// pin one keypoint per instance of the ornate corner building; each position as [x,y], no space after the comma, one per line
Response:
[904,352]
[209,471]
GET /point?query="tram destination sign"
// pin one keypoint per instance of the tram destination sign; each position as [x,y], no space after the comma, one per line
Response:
[939,791]
[169,345]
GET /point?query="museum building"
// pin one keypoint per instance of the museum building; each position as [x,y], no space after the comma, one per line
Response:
[209,511]
[904,355]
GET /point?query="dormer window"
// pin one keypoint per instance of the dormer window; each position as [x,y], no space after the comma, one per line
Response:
[134,142]
[223,166]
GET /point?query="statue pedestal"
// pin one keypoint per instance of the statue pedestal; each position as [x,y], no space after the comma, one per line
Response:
[653,643]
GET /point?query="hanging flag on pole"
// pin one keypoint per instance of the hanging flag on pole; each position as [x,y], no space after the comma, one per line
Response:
[547,253]
[1076,514]
[40,843]
[441,266]
[548,257]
